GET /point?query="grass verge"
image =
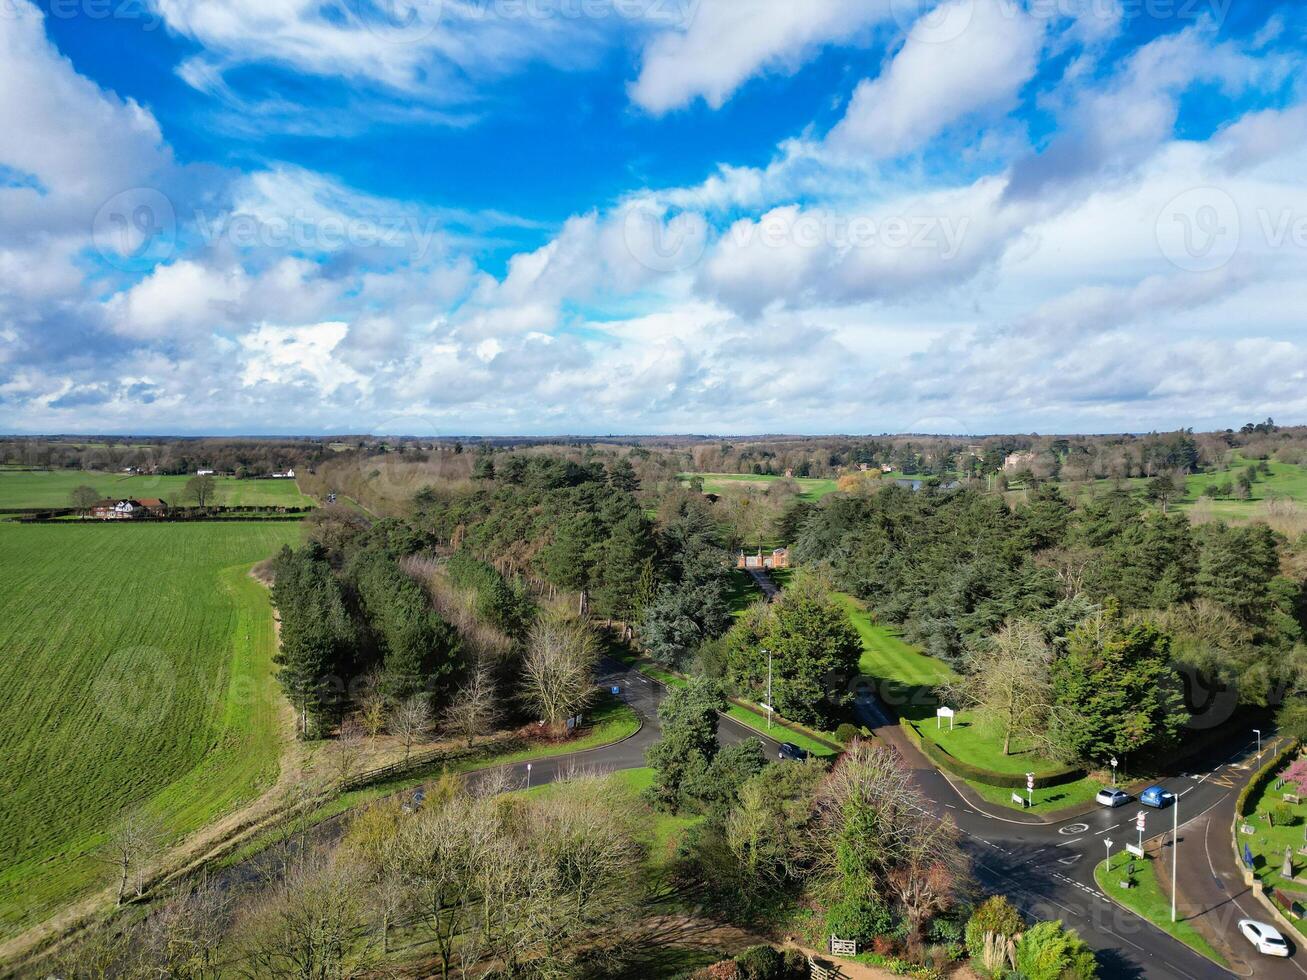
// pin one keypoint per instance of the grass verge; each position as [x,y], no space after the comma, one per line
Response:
[1148,901]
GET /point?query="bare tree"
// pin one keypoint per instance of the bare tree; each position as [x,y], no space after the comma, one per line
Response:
[1008,680]
[346,752]
[475,707]
[372,703]
[558,669]
[128,849]
[84,498]
[313,924]
[410,722]
[182,939]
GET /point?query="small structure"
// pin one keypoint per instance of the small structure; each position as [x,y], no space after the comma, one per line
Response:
[886,467]
[204,472]
[1016,461]
[129,509]
[779,558]
[288,475]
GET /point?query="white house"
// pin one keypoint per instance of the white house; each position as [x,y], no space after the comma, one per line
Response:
[204,472]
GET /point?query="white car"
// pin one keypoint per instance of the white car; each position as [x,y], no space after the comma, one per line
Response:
[1112,797]
[1266,938]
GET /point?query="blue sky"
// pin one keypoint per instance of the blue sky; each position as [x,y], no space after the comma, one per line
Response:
[593,216]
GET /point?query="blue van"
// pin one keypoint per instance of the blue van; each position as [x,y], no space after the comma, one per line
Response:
[1157,797]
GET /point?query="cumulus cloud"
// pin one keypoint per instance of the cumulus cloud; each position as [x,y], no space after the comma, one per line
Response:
[933,82]
[727,42]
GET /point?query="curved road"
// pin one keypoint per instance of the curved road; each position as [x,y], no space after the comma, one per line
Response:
[1046,869]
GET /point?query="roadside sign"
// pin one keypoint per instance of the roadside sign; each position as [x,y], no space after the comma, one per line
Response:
[616,690]
[1135,850]
[1019,800]
[1030,780]
[944,713]
[1140,819]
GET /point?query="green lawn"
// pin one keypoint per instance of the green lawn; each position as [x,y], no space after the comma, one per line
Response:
[136,675]
[1268,843]
[906,680]
[40,488]
[1148,901]
[810,488]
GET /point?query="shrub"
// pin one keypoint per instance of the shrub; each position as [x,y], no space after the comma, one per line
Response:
[796,964]
[846,733]
[859,917]
[995,916]
[1282,815]
[1049,952]
[761,963]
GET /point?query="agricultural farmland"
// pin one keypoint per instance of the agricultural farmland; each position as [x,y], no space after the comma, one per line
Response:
[51,488]
[137,670]
[810,488]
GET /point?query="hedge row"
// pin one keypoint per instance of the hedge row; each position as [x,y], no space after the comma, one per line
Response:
[1263,776]
[1007,780]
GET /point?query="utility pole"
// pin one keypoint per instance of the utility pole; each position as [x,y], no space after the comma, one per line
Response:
[1258,733]
[769,701]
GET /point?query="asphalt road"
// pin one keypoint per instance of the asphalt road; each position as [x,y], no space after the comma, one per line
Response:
[1044,869]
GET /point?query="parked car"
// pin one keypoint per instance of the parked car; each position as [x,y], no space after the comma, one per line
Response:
[1156,796]
[791,751]
[1266,938]
[1112,797]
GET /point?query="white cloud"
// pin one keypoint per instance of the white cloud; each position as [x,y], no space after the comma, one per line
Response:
[730,41]
[932,83]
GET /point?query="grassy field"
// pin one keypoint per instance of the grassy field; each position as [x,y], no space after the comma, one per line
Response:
[1148,901]
[809,488]
[42,488]
[137,676]
[1268,842]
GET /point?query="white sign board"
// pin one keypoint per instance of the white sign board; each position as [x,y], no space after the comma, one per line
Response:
[944,713]
[1136,851]
[1019,800]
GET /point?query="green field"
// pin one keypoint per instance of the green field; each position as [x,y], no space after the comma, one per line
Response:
[51,488]
[906,682]
[810,488]
[136,676]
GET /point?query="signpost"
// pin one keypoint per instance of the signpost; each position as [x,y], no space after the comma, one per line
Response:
[1114,764]
[944,713]
[1108,843]
[1030,788]
[1140,818]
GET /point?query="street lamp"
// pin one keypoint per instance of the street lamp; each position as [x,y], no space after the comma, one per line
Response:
[1175,849]
[1114,764]
[528,775]
[769,701]
[1258,733]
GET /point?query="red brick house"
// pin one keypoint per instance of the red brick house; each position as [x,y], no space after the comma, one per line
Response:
[129,509]
[780,558]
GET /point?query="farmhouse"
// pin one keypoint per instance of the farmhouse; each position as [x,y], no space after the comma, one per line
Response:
[128,509]
[780,558]
[288,475]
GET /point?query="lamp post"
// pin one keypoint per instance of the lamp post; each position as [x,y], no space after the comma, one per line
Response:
[1258,733]
[528,775]
[769,701]
[1175,849]
[1114,764]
